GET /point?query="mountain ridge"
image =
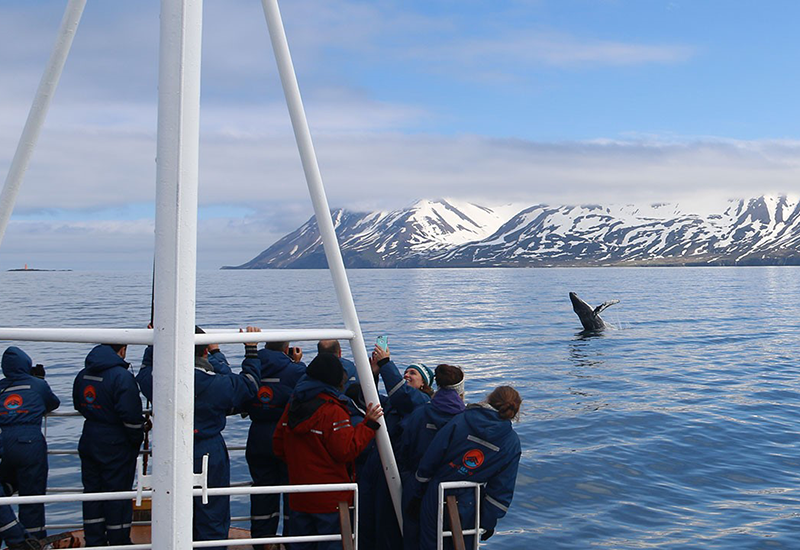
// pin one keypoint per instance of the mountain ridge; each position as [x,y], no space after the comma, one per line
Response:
[450,233]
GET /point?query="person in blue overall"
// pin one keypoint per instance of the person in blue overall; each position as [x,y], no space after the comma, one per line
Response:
[419,429]
[406,393]
[107,396]
[24,400]
[480,446]
[11,530]
[216,395]
[335,348]
[280,368]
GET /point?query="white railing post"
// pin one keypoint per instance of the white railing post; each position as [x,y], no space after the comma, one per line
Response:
[440,518]
[175,272]
[38,112]
[302,134]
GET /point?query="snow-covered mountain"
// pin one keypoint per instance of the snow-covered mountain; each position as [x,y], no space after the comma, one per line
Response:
[447,233]
[387,239]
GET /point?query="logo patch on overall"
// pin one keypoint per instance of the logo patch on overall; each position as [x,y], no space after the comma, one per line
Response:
[89,394]
[265,394]
[13,401]
[473,459]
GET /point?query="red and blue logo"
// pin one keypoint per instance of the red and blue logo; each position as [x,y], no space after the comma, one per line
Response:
[473,459]
[265,394]
[89,394]
[13,401]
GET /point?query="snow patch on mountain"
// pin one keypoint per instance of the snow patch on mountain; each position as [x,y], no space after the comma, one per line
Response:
[449,232]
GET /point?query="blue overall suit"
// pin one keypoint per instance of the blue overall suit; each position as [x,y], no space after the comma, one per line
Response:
[278,377]
[419,429]
[215,396]
[107,396]
[24,399]
[378,524]
[475,446]
[11,531]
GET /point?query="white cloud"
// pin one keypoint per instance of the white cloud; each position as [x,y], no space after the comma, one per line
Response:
[98,147]
[511,53]
[366,171]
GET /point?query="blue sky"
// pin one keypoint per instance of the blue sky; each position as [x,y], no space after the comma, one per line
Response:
[528,101]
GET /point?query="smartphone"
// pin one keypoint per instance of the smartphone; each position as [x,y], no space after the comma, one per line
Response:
[382,342]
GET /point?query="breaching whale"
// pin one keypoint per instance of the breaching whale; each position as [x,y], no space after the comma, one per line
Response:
[589,316]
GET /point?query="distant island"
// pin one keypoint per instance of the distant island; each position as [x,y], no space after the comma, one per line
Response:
[448,233]
[34,269]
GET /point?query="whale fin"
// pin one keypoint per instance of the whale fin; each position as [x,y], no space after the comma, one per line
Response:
[604,305]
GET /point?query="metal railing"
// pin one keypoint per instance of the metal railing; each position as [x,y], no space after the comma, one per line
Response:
[204,492]
[440,532]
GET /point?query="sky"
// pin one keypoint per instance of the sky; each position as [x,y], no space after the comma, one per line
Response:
[508,101]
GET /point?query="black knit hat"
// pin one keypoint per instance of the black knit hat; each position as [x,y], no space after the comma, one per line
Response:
[327,368]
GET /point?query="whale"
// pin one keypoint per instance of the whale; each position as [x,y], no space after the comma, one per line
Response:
[589,316]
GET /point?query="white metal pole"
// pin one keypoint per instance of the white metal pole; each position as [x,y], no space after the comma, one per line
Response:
[38,112]
[294,101]
[175,271]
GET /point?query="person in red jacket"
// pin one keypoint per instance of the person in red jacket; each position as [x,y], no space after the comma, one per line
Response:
[319,444]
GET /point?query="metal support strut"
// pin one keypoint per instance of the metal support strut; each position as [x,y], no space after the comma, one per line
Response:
[333,254]
[38,112]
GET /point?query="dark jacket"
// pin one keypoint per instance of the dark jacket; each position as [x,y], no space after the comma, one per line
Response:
[215,394]
[475,446]
[422,425]
[25,398]
[278,376]
[316,439]
[105,393]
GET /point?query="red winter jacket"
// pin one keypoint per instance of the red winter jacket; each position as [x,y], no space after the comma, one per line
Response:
[318,443]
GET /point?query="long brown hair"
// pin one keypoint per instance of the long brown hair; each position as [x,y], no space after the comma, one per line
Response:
[507,401]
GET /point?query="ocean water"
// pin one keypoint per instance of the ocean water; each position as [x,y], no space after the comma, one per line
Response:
[677,428]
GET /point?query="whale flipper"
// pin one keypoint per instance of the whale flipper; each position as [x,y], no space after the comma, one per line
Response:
[589,316]
[604,305]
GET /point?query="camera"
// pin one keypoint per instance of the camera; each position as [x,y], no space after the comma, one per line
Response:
[38,371]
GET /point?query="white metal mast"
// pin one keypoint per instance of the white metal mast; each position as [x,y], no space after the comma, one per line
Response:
[175,271]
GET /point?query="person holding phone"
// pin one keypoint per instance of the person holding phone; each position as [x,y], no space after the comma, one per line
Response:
[406,392]
[419,429]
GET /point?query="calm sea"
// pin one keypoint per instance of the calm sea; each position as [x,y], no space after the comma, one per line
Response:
[676,429]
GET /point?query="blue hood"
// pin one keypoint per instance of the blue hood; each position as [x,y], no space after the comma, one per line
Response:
[273,362]
[448,401]
[16,362]
[103,357]
[486,423]
[308,388]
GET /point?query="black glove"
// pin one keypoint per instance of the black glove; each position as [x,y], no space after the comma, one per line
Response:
[487,534]
[38,371]
[413,507]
